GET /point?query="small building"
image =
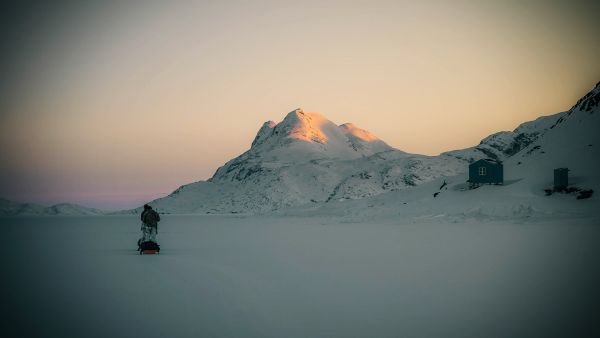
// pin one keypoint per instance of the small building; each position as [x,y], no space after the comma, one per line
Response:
[561,179]
[486,171]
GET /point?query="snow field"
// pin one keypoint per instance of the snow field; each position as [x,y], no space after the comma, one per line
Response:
[270,276]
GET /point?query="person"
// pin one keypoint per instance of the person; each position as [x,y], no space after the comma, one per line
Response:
[150,219]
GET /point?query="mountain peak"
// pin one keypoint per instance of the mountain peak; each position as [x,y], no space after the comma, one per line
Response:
[305,126]
[308,135]
[263,132]
[314,127]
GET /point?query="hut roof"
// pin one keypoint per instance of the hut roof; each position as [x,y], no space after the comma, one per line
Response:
[488,160]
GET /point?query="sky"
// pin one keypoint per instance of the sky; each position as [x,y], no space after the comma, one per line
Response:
[111,104]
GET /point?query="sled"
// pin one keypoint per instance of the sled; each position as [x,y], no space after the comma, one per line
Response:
[148,248]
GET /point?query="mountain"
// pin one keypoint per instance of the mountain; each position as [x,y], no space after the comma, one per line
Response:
[11,208]
[502,145]
[307,159]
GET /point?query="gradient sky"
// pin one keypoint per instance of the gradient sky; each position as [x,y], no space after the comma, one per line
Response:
[111,104]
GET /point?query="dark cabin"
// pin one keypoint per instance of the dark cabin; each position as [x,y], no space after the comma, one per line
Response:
[486,171]
[561,178]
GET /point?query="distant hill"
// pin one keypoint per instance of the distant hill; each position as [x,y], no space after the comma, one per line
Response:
[11,208]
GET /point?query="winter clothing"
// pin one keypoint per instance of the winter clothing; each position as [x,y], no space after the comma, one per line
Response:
[150,219]
[148,233]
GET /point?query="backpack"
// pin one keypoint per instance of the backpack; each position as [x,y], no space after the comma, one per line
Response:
[151,218]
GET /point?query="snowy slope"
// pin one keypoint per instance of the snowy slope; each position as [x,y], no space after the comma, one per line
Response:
[268,276]
[504,144]
[11,208]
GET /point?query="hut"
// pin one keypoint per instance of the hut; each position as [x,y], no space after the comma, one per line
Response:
[486,171]
[561,179]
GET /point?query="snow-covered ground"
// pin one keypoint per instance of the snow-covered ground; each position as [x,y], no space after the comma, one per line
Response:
[317,276]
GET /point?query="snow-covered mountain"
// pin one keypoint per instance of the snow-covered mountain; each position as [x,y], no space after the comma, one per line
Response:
[307,159]
[502,145]
[11,208]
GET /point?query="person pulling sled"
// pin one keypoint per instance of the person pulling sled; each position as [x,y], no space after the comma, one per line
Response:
[148,244]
